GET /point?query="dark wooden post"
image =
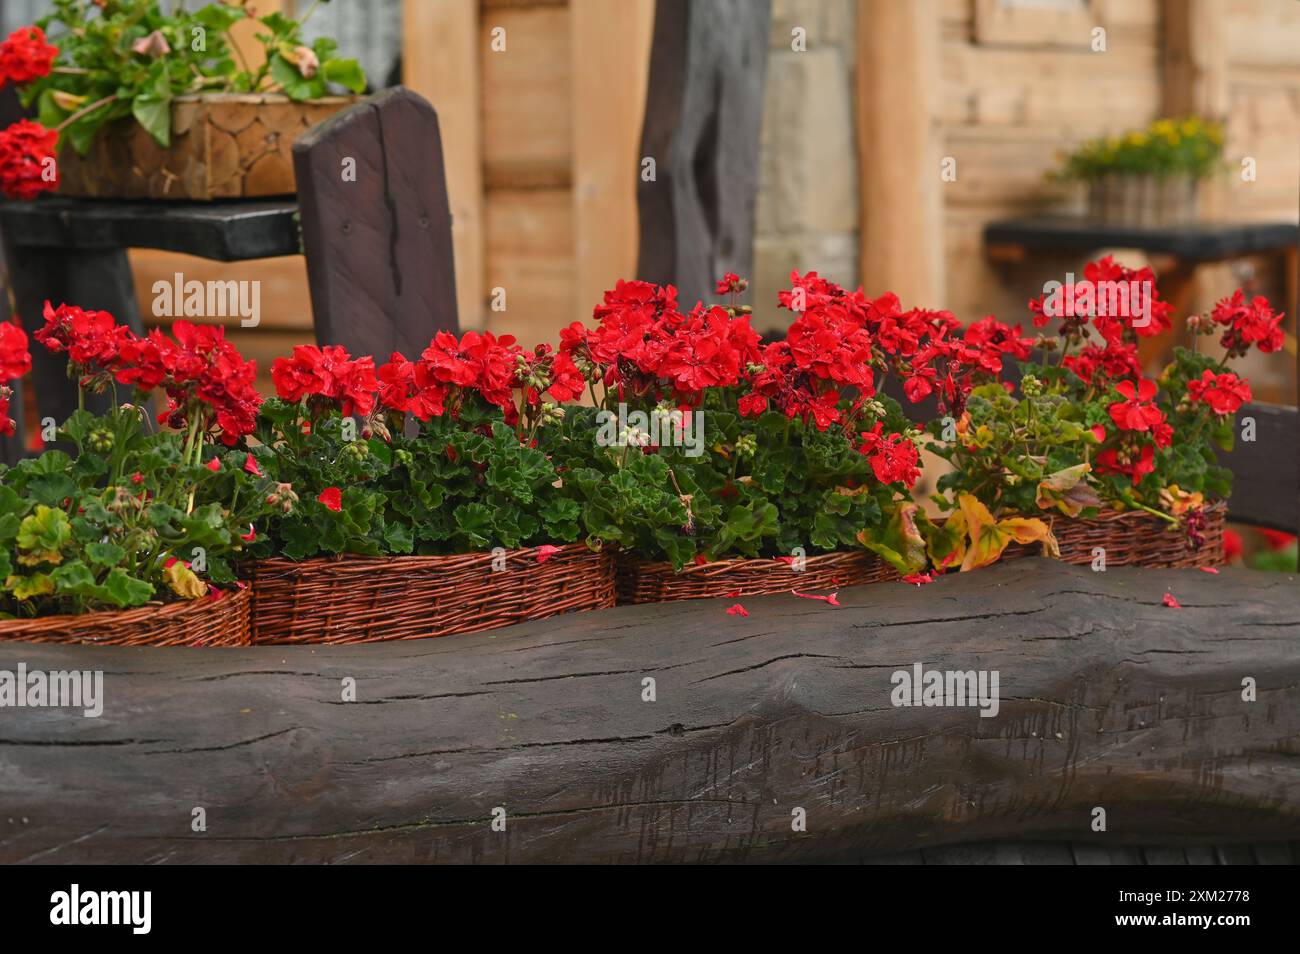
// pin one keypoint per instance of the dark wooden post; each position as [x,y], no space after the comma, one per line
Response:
[376,226]
[703,117]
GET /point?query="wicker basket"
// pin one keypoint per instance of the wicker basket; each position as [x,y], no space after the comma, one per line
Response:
[224,145]
[1143,201]
[202,622]
[376,599]
[641,581]
[1133,538]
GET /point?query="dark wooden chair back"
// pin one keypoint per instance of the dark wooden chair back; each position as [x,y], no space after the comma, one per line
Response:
[376,226]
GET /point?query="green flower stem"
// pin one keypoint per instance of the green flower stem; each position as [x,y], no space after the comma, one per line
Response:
[84,111]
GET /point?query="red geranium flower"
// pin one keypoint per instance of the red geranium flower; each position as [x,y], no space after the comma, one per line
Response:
[893,458]
[1137,413]
[1248,323]
[25,56]
[1224,393]
[1232,546]
[28,165]
[1277,539]
[332,498]
[328,372]
[15,359]
[1110,461]
[731,284]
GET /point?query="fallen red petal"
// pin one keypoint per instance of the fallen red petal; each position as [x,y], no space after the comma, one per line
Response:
[545,552]
[1171,602]
[737,610]
[831,599]
[1208,569]
[918,578]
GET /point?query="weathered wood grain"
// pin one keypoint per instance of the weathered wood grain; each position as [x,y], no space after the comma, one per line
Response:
[1108,698]
[702,121]
[378,244]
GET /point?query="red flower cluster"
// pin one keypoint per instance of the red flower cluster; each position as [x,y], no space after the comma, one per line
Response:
[1224,393]
[1110,362]
[27,151]
[955,364]
[328,372]
[644,345]
[826,348]
[1119,300]
[196,368]
[15,361]
[893,458]
[1135,415]
[452,368]
[1248,323]
[1124,460]
[25,56]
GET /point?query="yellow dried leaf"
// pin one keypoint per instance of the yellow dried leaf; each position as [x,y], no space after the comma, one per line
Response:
[184,582]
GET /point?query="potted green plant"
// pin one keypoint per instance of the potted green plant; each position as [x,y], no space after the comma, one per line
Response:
[132,541]
[138,102]
[723,466]
[1120,467]
[1147,177]
[443,511]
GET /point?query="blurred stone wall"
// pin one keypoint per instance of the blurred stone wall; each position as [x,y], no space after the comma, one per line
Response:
[807,214]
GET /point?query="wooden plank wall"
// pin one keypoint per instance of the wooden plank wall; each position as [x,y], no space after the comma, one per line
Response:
[562,110]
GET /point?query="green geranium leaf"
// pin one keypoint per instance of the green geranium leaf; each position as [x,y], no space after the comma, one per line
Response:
[105,554]
[346,73]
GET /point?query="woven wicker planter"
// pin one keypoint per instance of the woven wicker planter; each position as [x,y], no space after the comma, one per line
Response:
[641,581]
[1133,538]
[224,145]
[202,622]
[376,599]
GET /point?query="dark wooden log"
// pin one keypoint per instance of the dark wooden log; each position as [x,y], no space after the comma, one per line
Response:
[379,252]
[704,113]
[1108,699]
